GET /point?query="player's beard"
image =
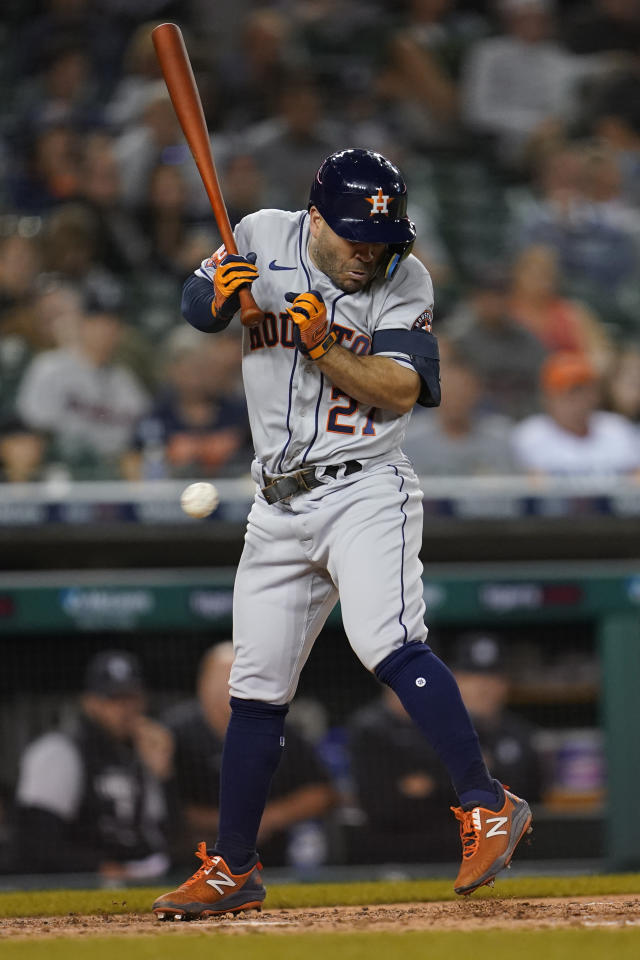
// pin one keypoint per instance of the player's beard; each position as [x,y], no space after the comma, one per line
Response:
[337,268]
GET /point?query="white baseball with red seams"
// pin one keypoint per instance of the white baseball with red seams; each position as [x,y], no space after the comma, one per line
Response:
[356,535]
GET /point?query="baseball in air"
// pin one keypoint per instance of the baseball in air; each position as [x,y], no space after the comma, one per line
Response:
[199,499]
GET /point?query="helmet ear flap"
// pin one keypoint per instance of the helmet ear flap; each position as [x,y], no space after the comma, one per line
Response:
[396,253]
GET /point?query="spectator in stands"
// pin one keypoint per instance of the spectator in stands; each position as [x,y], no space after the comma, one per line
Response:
[120,244]
[243,185]
[84,400]
[290,142]
[522,80]
[139,73]
[425,57]
[458,438]
[48,173]
[20,261]
[58,308]
[22,452]
[153,138]
[198,425]
[622,386]
[70,242]
[616,122]
[254,67]
[574,436]
[505,355]
[90,795]
[559,323]
[596,250]
[63,92]
[507,740]
[300,791]
[603,189]
[348,58]
[176,240]
[603,185]
[399,786]
[19,266]
[165,221]
[75,23]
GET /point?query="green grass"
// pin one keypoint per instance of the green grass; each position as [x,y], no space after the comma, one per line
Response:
[35,903]
[494,944]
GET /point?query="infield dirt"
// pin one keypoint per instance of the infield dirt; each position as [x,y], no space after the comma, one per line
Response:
[622,912]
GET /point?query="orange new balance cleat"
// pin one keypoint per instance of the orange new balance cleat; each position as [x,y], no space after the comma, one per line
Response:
[489,838]
[212,890]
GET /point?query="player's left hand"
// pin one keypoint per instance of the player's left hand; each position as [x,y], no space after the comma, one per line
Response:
[309,316]
[232,274]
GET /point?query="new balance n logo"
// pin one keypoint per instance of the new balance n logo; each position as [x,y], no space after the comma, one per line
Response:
[496,831]
[224,881]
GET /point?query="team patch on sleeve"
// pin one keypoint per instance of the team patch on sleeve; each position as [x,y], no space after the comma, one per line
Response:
[424,321]
[216,258]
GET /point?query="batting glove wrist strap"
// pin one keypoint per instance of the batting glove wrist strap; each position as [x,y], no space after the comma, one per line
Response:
[322,348]
[310,330]
[232,274]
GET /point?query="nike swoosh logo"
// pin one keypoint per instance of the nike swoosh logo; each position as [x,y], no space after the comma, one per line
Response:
[274,266]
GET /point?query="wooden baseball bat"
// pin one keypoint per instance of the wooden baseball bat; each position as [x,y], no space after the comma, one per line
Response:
[181,84]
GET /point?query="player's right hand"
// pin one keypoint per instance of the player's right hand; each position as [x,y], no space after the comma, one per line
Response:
[232,274]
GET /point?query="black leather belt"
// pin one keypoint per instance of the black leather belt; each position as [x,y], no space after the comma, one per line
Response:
[288,484]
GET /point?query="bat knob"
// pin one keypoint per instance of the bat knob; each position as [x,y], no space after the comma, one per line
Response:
[251,316]
[250,313]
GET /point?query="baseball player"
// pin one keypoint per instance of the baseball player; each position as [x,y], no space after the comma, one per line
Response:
[331,375]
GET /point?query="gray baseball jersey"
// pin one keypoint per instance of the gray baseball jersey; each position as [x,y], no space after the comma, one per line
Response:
[297,417]
[357,537]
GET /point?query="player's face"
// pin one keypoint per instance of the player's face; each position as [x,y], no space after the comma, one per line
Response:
[351,266]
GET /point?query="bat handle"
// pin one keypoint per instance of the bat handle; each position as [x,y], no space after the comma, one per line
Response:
[250,313]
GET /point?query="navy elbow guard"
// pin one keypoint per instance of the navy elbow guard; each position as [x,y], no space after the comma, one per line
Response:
[422,347]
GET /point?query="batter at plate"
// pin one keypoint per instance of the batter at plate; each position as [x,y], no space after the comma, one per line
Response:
[331,375]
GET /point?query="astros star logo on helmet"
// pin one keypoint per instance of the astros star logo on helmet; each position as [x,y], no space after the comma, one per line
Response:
[379,202]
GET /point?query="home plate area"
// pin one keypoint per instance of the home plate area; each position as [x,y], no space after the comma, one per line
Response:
[622,911]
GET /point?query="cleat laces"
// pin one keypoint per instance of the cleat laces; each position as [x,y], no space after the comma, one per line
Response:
[205,866]
[469,834]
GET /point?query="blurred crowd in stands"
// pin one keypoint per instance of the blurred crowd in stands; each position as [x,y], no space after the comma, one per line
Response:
[515,122]
[125,790]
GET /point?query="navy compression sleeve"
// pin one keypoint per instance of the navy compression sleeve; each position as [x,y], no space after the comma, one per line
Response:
[197,297]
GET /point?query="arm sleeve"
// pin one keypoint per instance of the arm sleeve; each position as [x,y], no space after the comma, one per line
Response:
[196,306]
[197,290]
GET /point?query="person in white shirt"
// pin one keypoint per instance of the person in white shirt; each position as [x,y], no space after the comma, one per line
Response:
[517,83]
[84,400]
[573,436]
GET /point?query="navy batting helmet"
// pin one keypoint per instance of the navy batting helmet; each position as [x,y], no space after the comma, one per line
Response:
[363,198]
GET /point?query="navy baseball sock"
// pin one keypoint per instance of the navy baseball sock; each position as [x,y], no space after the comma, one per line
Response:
[429,693]
[252,750]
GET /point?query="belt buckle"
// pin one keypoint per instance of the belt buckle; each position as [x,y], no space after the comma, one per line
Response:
[288,485]
[300,477]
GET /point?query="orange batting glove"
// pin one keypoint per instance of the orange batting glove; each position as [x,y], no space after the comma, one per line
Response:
[309,316]
[232,274]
